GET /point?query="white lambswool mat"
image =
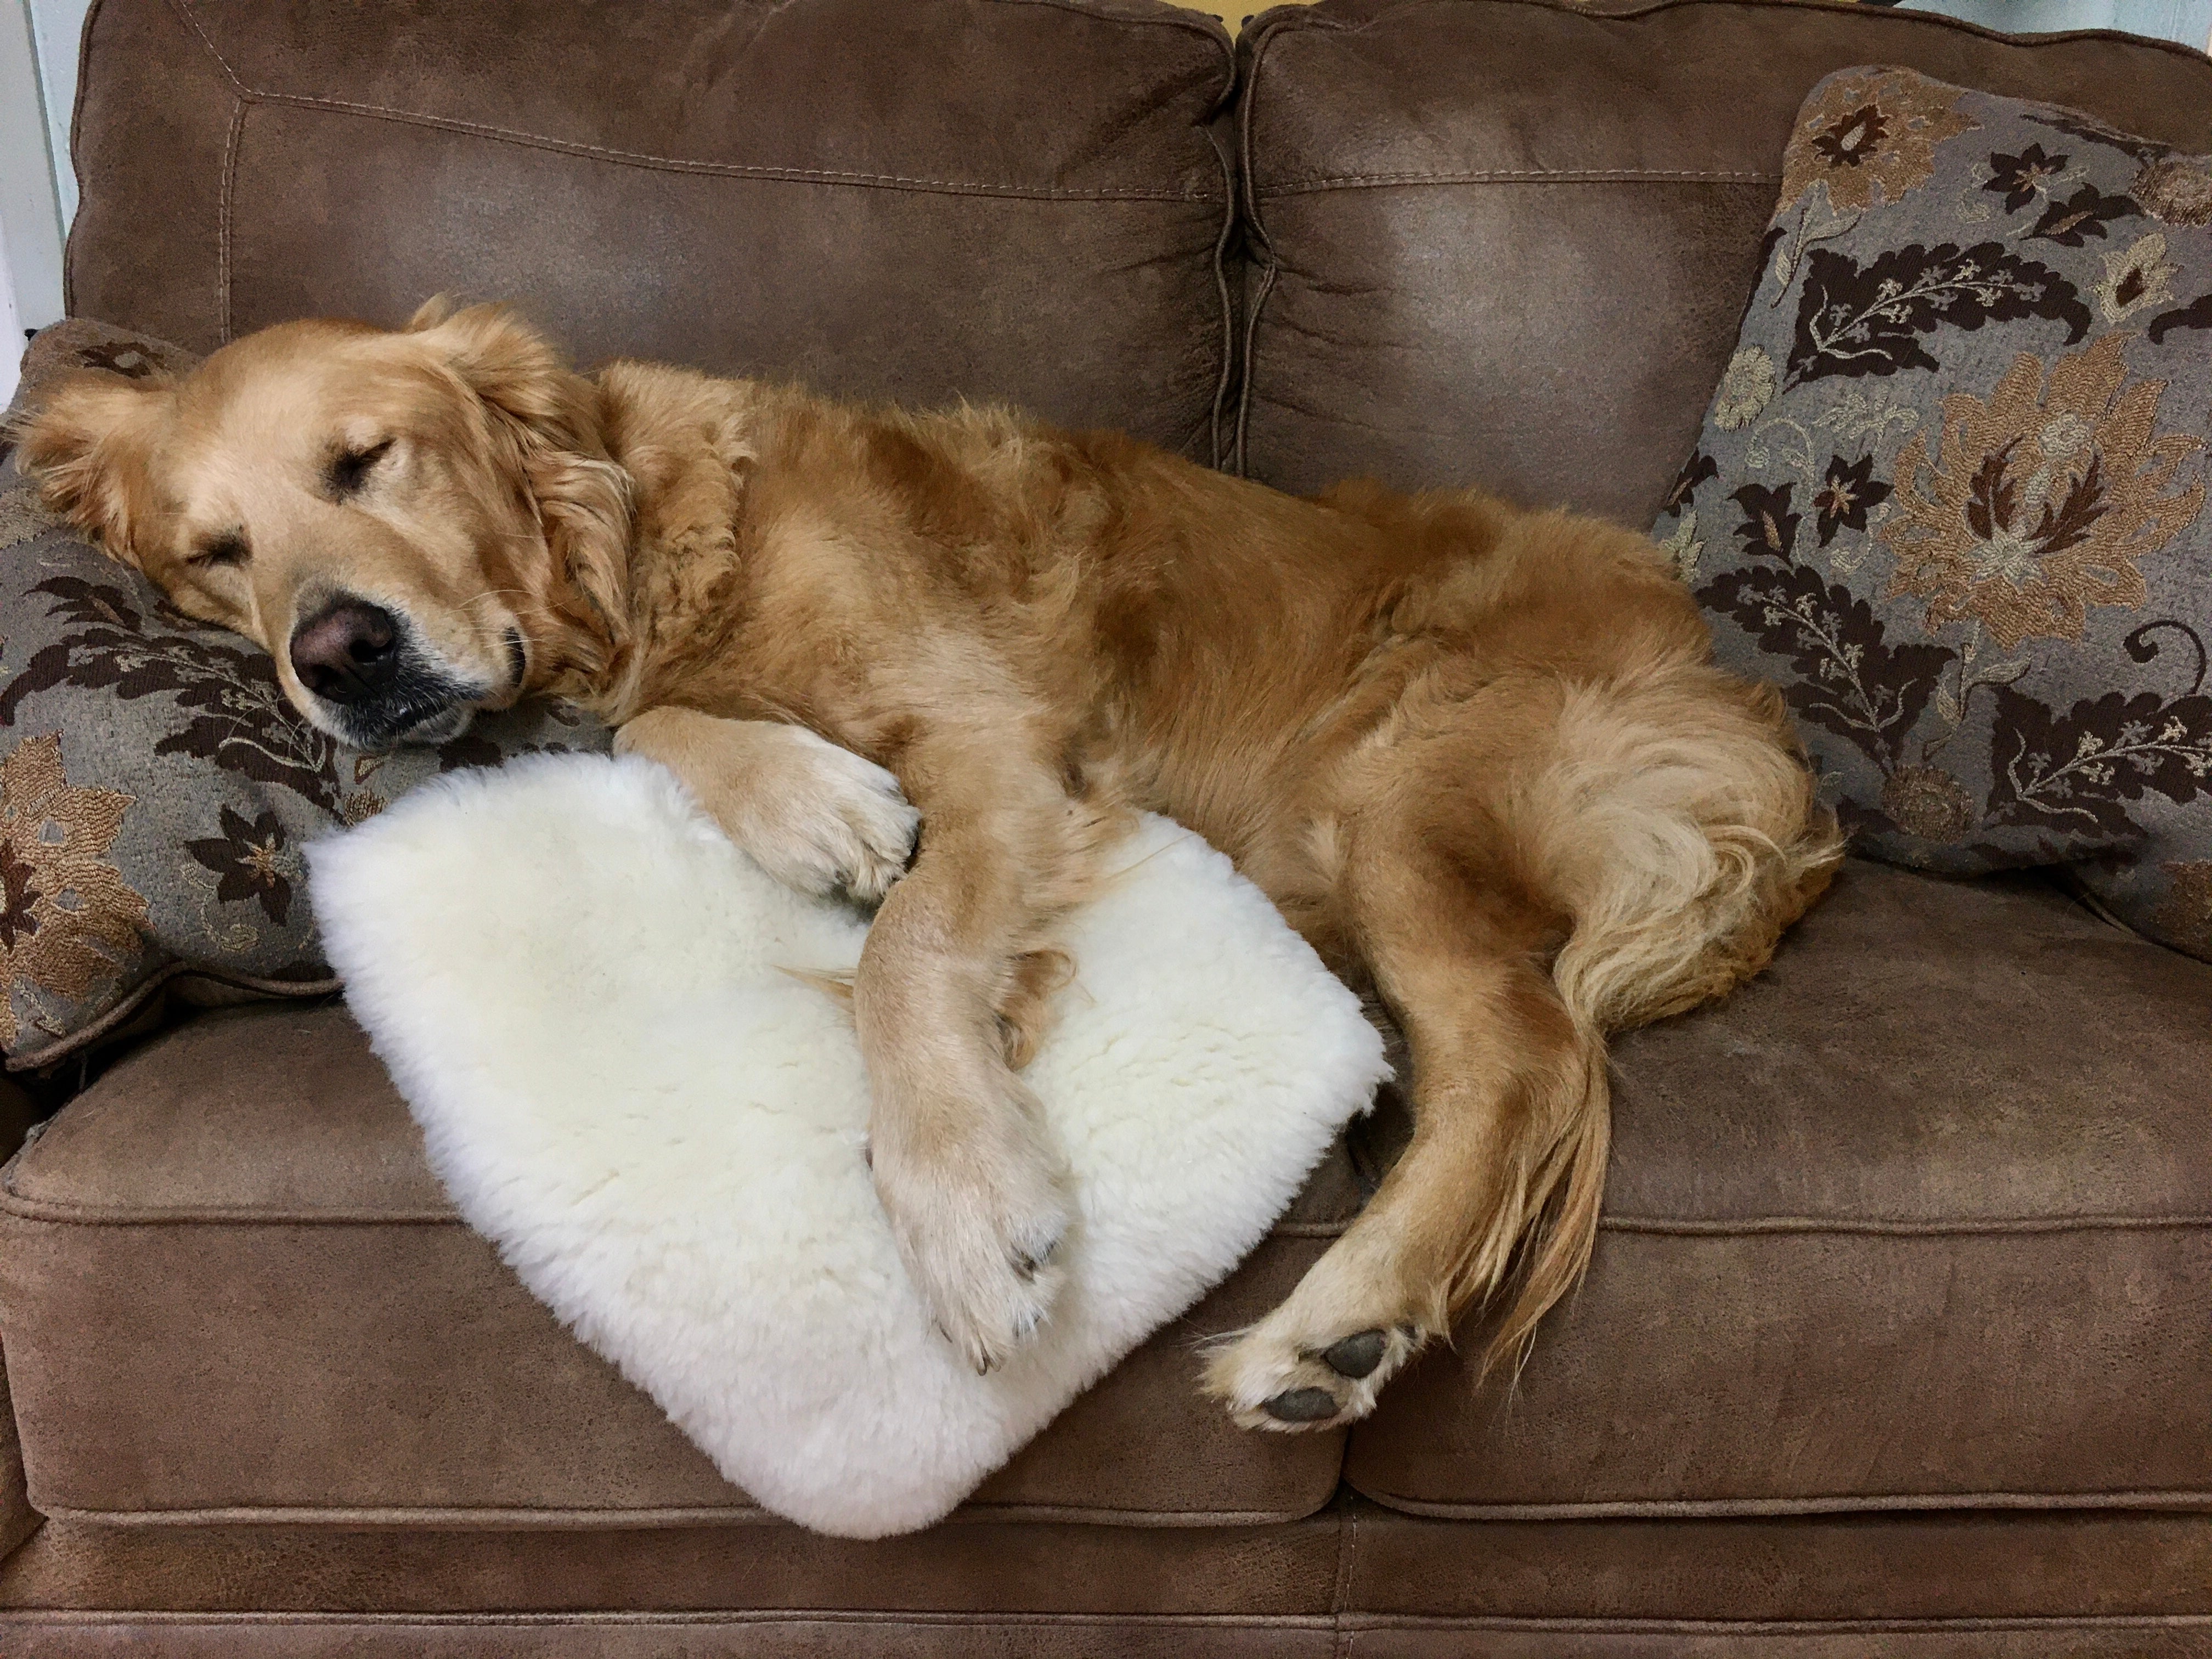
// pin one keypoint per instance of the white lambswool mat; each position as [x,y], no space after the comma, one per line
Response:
[579,987]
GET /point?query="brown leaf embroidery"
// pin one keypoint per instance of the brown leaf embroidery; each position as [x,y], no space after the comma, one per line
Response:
[1870,138]
[70,917]
[2043,499]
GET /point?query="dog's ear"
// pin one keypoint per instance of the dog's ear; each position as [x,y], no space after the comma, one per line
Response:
[505,362]
[583,499]
[89,444]
[586,505]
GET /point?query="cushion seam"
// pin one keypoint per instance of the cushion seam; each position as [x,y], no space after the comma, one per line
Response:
[229,182]
[1296,24]
[939,1619]
[670,163]
[1515,176]
[69,1212]
[686,1618]
[1573,1625]
[1898,1227]
[61,1214]
[88,1035]
[1246,208]
[1347,1549]
[1690,1509]
[493,1517]
[1223,257]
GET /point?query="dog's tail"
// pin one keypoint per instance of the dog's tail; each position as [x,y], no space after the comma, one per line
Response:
[1683,844]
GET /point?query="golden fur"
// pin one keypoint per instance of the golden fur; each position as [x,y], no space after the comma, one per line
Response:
[1480,757]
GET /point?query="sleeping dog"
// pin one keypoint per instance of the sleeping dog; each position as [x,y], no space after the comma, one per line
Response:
[1480,757]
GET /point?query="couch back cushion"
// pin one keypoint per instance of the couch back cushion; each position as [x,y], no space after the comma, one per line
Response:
[982,197]
[1507,242]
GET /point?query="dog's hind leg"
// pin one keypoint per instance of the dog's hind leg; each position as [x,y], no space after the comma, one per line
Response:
[1509,1111]
[1524,868]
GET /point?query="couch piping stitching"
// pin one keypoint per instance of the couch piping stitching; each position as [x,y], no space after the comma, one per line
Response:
[207,42]
[222,219]
[1301,22]
[1227,378]
[68,1211]
[123,1618]
[1340,1602]
[1571,1624]
[1521,175]
[1903,1227]
[1258,248]
[676,164]
[85,1035]
[1692,1509]
[585,1517]
[736,169]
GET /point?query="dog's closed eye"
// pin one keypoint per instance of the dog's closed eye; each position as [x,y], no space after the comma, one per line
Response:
[349,468]
[227,548]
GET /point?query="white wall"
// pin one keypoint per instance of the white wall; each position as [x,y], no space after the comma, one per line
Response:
[11,329]
[2187,21]
[32,217]
[56,25]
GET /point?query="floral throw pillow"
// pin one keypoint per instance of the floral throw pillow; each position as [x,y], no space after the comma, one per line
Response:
[1950,494]
[155,787]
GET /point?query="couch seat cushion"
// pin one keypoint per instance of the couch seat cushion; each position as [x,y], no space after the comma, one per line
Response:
[231,1288]
[1922,1218]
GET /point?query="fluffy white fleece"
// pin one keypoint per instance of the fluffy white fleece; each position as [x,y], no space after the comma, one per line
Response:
[579,986]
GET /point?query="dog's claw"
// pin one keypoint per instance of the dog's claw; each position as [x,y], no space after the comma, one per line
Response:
[977,1233]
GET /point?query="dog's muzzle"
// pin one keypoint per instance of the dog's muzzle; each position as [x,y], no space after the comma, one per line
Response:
[374,686]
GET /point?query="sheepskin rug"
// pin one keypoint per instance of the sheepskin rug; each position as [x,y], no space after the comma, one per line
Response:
[581,989]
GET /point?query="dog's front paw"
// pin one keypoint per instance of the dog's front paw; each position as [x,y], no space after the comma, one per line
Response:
[840,827]
[980,1219]
[1292,1372]
[820,819]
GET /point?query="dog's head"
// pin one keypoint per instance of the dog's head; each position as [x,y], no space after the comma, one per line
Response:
[416,524]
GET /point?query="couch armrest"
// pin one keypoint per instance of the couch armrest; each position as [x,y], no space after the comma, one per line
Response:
[18,1520]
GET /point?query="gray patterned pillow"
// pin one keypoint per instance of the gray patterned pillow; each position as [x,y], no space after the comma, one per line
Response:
[154,785]
[1950,494]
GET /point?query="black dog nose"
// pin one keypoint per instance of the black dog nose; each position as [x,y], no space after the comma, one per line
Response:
[348,654]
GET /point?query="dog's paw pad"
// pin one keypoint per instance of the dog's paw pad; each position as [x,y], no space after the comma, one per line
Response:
[1356,1356]
[1269,1379]
[1303,1406]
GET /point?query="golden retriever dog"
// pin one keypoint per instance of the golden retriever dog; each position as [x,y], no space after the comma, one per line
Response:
[1480,757]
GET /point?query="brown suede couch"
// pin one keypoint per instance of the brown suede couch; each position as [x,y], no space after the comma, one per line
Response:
[1898,1339]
